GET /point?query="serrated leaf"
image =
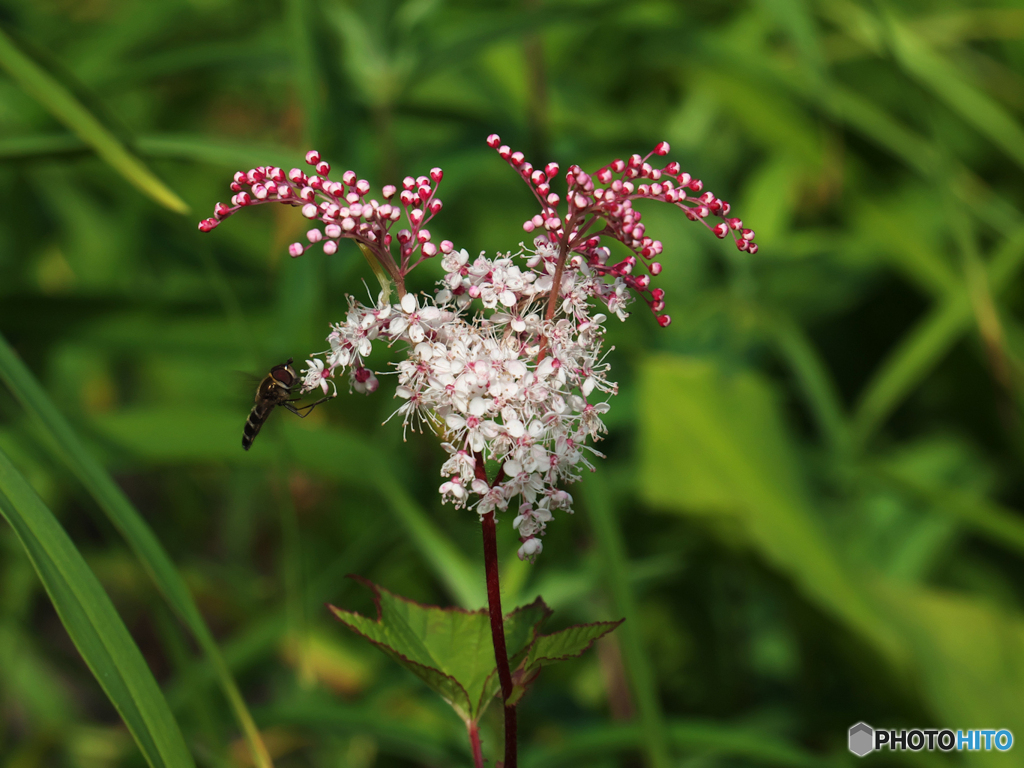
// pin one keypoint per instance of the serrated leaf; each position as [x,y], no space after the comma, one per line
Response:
[568,643]
[450,649]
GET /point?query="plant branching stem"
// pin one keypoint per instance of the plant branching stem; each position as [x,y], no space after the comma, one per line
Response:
[474,744]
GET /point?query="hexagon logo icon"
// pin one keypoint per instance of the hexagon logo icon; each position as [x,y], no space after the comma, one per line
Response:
[862,739]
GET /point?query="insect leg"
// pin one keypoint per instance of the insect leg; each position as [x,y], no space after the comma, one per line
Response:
[303,411]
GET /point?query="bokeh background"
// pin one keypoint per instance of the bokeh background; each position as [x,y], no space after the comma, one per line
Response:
[809,513]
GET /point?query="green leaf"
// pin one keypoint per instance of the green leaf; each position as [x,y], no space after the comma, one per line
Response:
[450,649]
[715,446]
[45,89]
[131,526]
[969,656]
[92,623]
[565,644]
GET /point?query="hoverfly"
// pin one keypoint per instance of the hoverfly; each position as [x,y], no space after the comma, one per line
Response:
[275,389]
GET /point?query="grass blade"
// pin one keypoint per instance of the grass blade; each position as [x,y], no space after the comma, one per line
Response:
[613,553]
[925,345]
[132,527]
[93,623]
[701,739]
[814,380]
[946,82]
[59,102]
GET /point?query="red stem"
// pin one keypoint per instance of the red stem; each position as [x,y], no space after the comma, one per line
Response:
[490,533]
[474,743]
[498,634]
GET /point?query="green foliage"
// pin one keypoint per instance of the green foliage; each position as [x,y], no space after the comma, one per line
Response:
[93,624]
[450,649]
[809,512]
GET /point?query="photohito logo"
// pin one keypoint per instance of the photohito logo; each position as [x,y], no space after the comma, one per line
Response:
[864,739]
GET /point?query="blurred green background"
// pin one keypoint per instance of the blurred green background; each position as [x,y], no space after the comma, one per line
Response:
[809,510]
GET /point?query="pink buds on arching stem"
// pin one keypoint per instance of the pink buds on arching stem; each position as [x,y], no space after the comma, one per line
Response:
[609,202]
[345,208]
[594,206]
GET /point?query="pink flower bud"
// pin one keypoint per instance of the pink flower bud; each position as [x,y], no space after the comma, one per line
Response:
[655,268]
[721,230]
[314,235]
[664,321]
[423,235]
[312,157]
[362,187]
[259,191]
[310,211]
[389,191]
[447,246]
[220,210]
[207,224]
[429,250]
[436,174]
[493,141]
[330,247]
[295,249]
[434,206]
[662,148]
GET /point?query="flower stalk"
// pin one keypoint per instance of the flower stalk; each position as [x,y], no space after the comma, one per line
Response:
[498,634]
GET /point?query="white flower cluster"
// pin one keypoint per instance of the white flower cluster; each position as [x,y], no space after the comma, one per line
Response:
[503,385]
